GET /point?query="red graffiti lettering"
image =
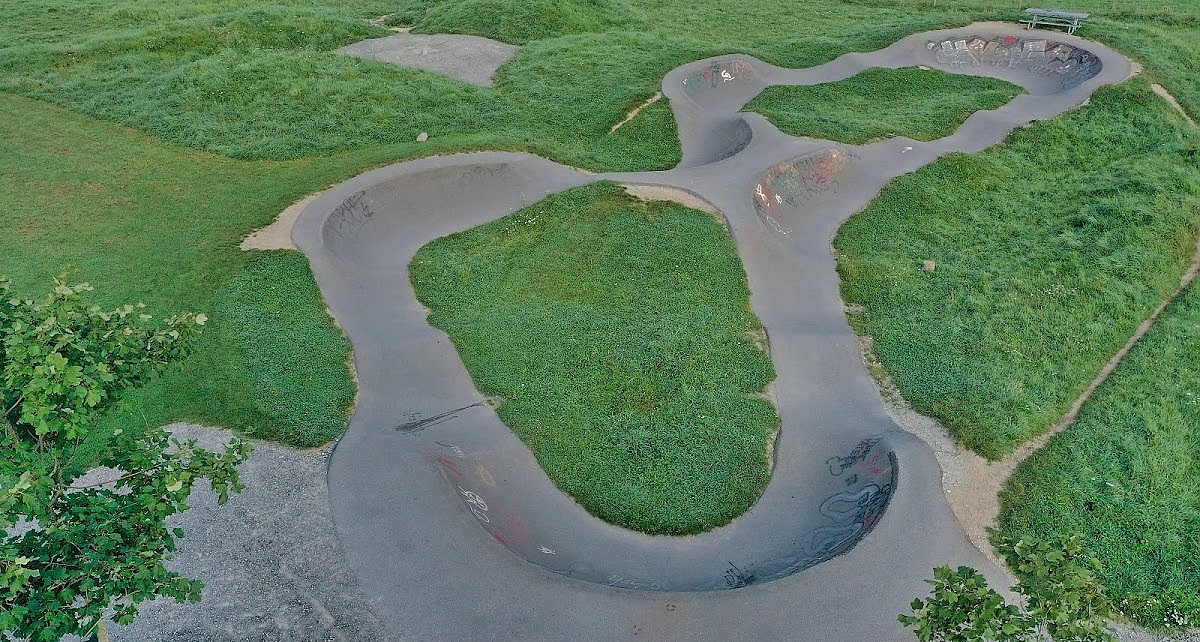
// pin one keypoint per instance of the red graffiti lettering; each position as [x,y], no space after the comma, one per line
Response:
[449,465]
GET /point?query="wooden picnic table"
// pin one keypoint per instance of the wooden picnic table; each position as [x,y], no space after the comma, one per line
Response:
[1072,20]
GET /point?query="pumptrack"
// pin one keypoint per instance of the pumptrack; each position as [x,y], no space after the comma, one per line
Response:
[454,529]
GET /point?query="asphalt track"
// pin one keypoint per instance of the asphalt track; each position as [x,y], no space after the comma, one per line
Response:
[451,525]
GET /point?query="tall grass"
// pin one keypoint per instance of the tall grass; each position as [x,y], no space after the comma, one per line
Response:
[1050,250]
[1124,476]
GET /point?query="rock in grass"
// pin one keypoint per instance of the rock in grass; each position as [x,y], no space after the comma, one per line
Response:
[422,137]
[929,266]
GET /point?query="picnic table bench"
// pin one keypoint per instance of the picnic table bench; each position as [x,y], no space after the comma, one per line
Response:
[1072,20]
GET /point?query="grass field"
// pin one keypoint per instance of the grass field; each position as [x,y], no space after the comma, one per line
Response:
[619,336]
[146,221]
[1050,248]
[881,103]
[1124,476]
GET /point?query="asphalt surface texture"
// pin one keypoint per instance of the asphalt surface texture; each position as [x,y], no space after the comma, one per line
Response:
[468,58]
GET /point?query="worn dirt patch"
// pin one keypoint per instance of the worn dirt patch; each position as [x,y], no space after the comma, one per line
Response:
[676,195]
[380,20]
[278,235]
[637,110]
[1166,95]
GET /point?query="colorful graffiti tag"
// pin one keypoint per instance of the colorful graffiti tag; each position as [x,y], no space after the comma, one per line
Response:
[850,515]
[1040,57]
[794,183]
[471,482]
[715,75]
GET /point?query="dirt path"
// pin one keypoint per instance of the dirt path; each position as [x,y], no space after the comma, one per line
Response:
[1166,95]
[637,110]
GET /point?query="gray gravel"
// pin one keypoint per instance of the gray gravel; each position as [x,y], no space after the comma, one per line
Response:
[468,58]
[272,565]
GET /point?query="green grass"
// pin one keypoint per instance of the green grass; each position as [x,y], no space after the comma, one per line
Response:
[145,221]
[1050,248]
[619,337]
[1050,251]
[263,83]
[257,79]
[521,22]
[1124,475]
[881,103]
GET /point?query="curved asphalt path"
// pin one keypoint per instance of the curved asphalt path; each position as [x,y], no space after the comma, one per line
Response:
[441,508]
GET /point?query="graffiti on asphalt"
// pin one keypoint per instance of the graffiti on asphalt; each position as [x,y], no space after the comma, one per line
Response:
[1040,57]
[790,185]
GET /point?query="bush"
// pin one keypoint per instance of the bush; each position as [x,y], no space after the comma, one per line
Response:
[1063,598]
[73,554]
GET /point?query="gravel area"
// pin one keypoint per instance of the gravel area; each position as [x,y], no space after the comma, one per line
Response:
[468,58]
[271,562]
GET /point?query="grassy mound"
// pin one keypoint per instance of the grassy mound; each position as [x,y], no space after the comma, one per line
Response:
[264,83]
[1124,476]
[147,221]
[619,337]
[1050,251]
[880,103]
[519,23]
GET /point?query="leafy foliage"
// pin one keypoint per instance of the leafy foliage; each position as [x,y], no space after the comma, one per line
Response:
[74,552]
[1058,579]
[62,357]
[962,608]
[1063,599]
